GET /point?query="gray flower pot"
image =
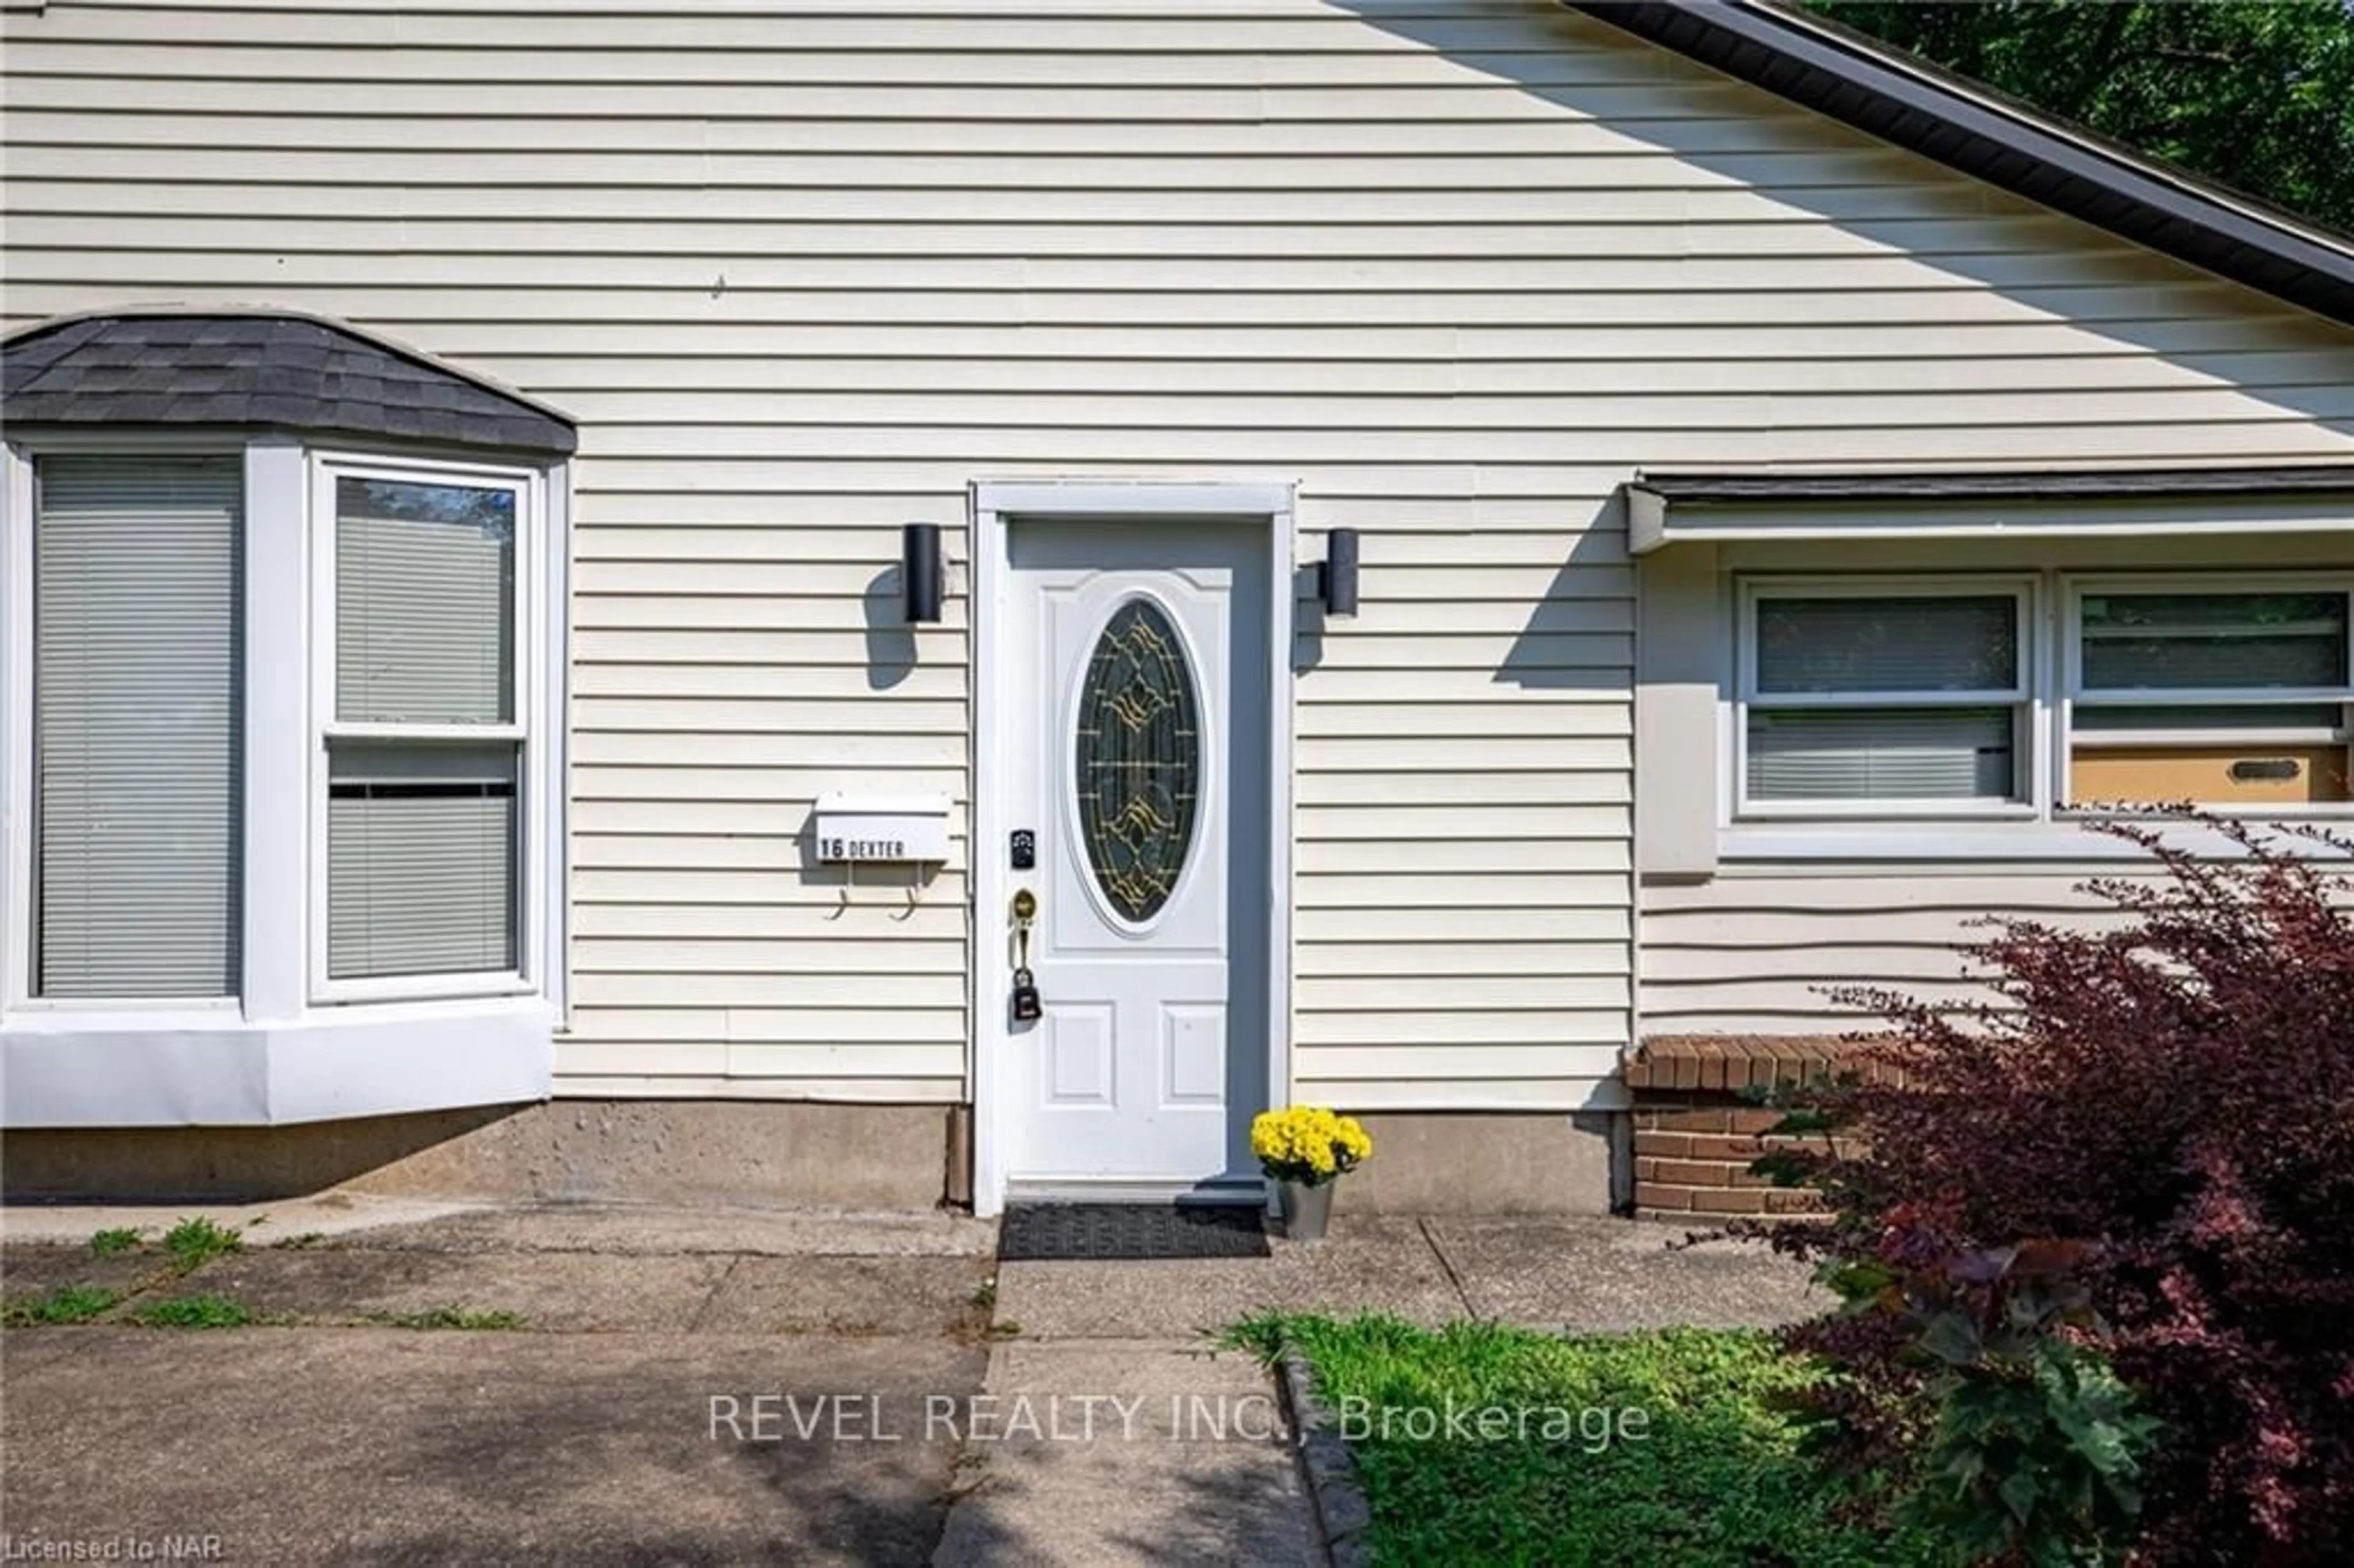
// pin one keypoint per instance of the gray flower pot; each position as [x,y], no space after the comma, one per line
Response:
[1307,1210]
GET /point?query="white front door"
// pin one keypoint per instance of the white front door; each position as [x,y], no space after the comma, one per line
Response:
[1136,755]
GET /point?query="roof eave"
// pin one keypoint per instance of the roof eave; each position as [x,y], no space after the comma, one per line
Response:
[1783,507]
[1886,94]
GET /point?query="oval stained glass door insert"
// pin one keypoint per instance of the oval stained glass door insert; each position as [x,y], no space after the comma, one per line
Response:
[1138,759]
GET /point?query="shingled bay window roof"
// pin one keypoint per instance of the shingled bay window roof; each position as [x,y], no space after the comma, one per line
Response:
[256,368]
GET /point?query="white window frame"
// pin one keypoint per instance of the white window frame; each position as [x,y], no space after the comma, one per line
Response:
[2074,588]
[528,732]
[289,653]
[2025,698]
[17,850]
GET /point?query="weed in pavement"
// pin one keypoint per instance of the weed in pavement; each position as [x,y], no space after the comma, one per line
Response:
[113,1242]
[451,1316]
[197,1242]
[67,1304]
[195,1312]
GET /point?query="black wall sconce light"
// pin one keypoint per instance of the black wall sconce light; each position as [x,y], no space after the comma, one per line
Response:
[919,573]
[1336,579]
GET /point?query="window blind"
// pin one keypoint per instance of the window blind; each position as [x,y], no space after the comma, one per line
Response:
[422,869]
[422,864]
[1895,754]
[2217,642]
[2214,716]
[137,642]
[1888,645]
[424,597]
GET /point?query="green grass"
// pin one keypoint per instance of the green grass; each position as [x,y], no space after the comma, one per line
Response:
[194,1312]
[1706,1475]
[197,1242]
[453,1317]
[67,1304]
[113,1242]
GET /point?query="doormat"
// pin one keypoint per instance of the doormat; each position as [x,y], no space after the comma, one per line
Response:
[1040,1232]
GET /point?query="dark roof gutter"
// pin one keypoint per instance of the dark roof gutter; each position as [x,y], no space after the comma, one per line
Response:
[1888,94]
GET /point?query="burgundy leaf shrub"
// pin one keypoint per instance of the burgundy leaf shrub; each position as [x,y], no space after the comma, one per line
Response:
[2173,1085]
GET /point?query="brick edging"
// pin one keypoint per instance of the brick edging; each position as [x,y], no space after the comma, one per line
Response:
[1328,1472]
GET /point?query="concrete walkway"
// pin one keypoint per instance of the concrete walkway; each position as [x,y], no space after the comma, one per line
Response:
[1135,1452]
[687,1386]
[720,1386]
[1574,1273]
[1152,1447]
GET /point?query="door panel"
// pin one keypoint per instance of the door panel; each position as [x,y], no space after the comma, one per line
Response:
[1137,752]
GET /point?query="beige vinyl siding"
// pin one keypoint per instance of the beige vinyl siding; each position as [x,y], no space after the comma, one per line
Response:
[806,271]
[1756,950]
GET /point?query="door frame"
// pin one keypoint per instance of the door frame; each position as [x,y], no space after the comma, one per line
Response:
[994,505]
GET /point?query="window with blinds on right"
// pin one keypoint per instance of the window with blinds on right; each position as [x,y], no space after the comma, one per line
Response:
[2223,695]
[426,737]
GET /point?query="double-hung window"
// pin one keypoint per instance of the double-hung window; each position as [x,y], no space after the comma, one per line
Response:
[425,732]
[1885,696]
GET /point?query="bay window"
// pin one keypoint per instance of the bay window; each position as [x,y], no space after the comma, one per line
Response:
[280,732]
[424,842]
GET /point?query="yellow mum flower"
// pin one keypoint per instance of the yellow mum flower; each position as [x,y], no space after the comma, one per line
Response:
[1309,1143]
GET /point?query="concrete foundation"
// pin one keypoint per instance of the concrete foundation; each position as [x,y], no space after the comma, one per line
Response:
[1491,1162]
[666,1152]
[753,1152]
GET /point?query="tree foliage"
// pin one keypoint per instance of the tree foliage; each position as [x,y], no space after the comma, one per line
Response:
[2257,94]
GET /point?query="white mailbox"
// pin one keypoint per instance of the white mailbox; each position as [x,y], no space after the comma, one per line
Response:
[882,827]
